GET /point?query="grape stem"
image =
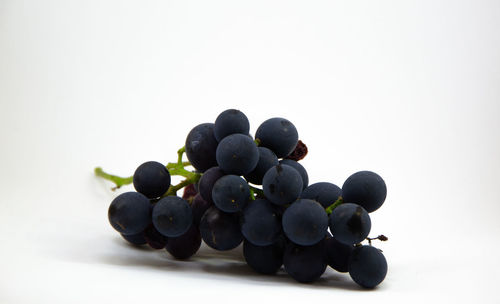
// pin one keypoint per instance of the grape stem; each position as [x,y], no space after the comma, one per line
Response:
[381,237]
[338,202]
[252,194]
[177,168]
[119,181]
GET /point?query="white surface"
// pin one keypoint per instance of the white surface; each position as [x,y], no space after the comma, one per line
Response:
[408,89]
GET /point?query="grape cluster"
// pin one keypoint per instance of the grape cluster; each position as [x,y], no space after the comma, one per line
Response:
[254,191]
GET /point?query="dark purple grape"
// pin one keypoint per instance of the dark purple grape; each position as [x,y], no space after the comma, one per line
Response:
[367,266]
[282,184]
[207,182]
[237,154]
[324,193]
[350,223]
[172,216]
[305,222]
[267,159]
[154,238]
[297,166]
[260,223]
[337,254]
[220,230]
[264,259]
[279,135]
[184,246]
[230,122]
[129,213]
[305,263]
[151,179]
[201,146]
[135,239]
[231,193]
[366,189]
[199,206]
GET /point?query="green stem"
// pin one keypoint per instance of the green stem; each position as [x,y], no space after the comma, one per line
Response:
[176,168]
[174,188]
[252,194]
[256,191]
[119,181]
[179,154]
[330,208]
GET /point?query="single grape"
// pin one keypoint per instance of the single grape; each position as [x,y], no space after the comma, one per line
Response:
[129,213]
[231,122]
[172,216]
[323,192]
[199,206]
[135,239]
[279,135]
[230,193]
[154,238]
[297,166]
[305,263]
[201,146]
[337,254]
[366,189]
[367,266]
[282,184]
[350,223]
[207,182]
[260,223]
[305,222]
[151,179]
[264,259]
[220,230]
[237,154]
[186,245]
[267,159]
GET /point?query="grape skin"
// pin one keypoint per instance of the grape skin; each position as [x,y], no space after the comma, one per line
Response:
[305,222]
[366,189]
[279,135]
[172,216]
[220,230]
[264,259]
[151,179]
[135,239]
[267,159]
[207,181]
[201,146]
[297,166]
[230,122]
[337,254]
[324,193]
[154,238]
[198,207]
[129,213]
[230,193]
[367,266]
[186,245]
[350,223]
[282,184]
[237,154]
[260,223]
[305,263]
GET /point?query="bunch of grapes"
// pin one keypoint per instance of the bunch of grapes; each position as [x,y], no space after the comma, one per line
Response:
[253,191]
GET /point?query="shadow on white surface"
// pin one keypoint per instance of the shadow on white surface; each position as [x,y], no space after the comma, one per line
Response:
[226,265]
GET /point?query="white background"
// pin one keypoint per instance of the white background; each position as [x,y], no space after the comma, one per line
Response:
[408,89]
